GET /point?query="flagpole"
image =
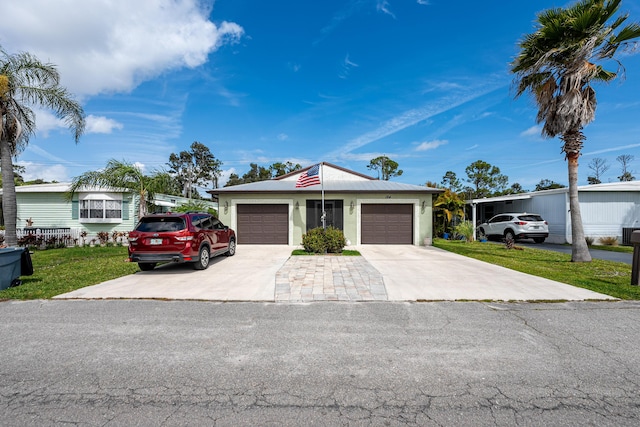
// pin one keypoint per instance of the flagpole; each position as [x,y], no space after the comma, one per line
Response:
[324,214]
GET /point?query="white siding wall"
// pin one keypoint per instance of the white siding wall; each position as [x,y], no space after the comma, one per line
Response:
[604,214]
[54,210]
[552,207]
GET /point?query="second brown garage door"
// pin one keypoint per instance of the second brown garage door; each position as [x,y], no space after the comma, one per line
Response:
[263,224]
[387,224]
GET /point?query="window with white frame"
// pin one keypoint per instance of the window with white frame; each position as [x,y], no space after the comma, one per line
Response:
[100,208]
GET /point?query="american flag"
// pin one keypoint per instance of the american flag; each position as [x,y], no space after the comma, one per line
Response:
[310,177]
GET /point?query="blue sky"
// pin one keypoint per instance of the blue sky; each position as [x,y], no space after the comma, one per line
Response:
[426,83]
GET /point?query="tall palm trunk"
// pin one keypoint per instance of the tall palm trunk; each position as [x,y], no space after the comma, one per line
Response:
[573,141]
[9,206]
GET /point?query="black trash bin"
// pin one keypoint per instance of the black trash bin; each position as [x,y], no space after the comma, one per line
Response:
[14,262]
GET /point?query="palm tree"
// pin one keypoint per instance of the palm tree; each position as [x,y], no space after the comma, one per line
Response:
[27,82]
[557,64]
[448,205]
[122,175]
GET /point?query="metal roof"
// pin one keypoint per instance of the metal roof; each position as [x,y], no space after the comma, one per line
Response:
[606,187]
[63,187]
[373,186]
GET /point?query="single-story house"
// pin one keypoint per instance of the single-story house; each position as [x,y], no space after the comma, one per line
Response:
[44,209]
[611,209]
[368,210]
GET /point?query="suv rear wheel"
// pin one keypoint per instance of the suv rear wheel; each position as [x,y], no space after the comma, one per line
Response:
[508,235]
[205,257]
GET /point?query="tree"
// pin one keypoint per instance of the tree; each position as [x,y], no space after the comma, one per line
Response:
[624,161]
[547,184]
[486,179]
[256,173]
[451,181]
[18,179]
[279,168]
[194,168]
[557,64]
[599,166]
[447,206]
[515,188]
[234,179]
[121,175]
[385,167]
[25,82]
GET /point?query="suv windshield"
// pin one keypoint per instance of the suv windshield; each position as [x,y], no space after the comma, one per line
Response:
[160,224]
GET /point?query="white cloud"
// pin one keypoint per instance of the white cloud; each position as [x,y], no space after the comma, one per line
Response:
[99,124]
[283,137]
[113,46]
[35,171]
[46,121]
[532,131]
[347,65]
[383,6]
[431,145]
[424,2]
[408,118]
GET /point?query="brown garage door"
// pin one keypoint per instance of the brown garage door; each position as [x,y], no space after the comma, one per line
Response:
[263,224]
[387,224]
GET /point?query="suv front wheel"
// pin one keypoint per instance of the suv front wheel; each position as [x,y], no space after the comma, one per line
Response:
[232,248]
[205,257]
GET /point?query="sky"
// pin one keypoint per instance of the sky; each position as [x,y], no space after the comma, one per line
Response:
[426,83]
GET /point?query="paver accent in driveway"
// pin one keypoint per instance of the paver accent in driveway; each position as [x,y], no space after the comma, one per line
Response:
[329,278]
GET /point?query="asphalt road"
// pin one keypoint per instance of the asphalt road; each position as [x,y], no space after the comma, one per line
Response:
[164,363]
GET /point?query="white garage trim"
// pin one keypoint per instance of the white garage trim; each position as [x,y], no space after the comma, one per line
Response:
[234,211]
[416,213]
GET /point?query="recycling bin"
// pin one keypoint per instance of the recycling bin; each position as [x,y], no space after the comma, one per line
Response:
[14,262]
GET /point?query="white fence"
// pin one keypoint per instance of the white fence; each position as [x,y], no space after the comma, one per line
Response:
[62,237]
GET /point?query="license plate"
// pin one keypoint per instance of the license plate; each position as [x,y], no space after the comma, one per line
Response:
[535,227]
[155,241]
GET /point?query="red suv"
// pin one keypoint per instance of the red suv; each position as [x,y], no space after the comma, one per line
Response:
[179,237]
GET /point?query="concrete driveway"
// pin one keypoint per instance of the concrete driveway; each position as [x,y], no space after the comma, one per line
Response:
[249,275]
[385,272]
[413,273]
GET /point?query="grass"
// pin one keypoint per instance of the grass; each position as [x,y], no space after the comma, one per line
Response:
[606,277]
[346,252]
[57,271]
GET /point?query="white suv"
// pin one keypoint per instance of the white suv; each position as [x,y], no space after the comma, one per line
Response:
[516,226]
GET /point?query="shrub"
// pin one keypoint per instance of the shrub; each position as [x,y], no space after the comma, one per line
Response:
[589,240]
[335,240]
[609,240]
[103,236]
[465,229]
[313,241]
[319,241]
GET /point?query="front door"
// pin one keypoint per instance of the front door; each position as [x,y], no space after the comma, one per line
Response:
[333,210]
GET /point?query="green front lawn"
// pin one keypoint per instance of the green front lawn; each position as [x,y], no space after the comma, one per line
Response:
[57,271]
[607,277]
